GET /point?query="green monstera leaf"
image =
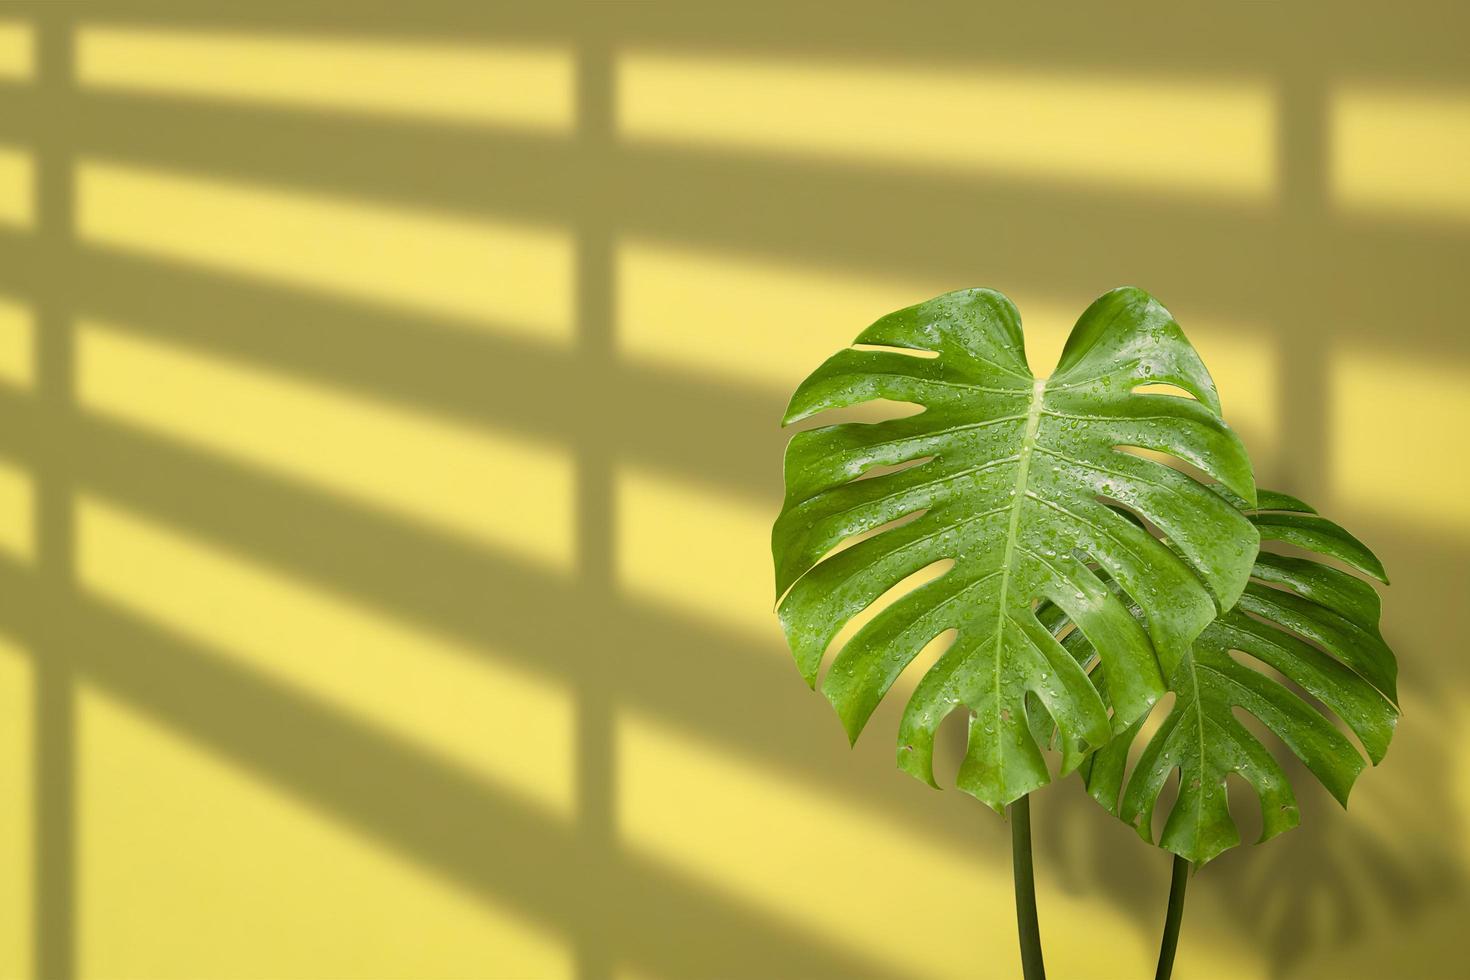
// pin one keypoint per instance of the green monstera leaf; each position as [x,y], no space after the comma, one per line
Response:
[1314,625]
[1017,480]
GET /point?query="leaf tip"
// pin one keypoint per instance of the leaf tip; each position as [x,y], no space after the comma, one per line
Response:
[792,415]
[1378,571]
[917,761]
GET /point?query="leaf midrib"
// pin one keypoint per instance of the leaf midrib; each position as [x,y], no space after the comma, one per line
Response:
[1018,496]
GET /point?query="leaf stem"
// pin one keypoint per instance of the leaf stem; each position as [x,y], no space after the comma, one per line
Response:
[1026,925]
[1172,918]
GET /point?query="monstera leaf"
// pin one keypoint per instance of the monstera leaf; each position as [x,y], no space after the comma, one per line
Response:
[1315,625]
[1019,482]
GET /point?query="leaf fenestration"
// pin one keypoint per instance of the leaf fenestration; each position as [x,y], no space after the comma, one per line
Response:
[1019,481]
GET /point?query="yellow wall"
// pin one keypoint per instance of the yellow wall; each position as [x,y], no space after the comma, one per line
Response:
[388,449]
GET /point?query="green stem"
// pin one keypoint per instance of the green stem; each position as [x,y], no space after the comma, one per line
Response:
[1026,926]
[1172,919]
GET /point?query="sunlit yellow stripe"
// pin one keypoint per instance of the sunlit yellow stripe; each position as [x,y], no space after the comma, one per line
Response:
[17,187]
[492,275]
[726,578]
[1164,132]
[521,86]
[503,492]
[1397,149]
[1396,429]
[465,704]
[745,318]
[189,865]
[1245,363]
[17,51]
[17,846]
[17,512]
[870,885]
[17,343]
